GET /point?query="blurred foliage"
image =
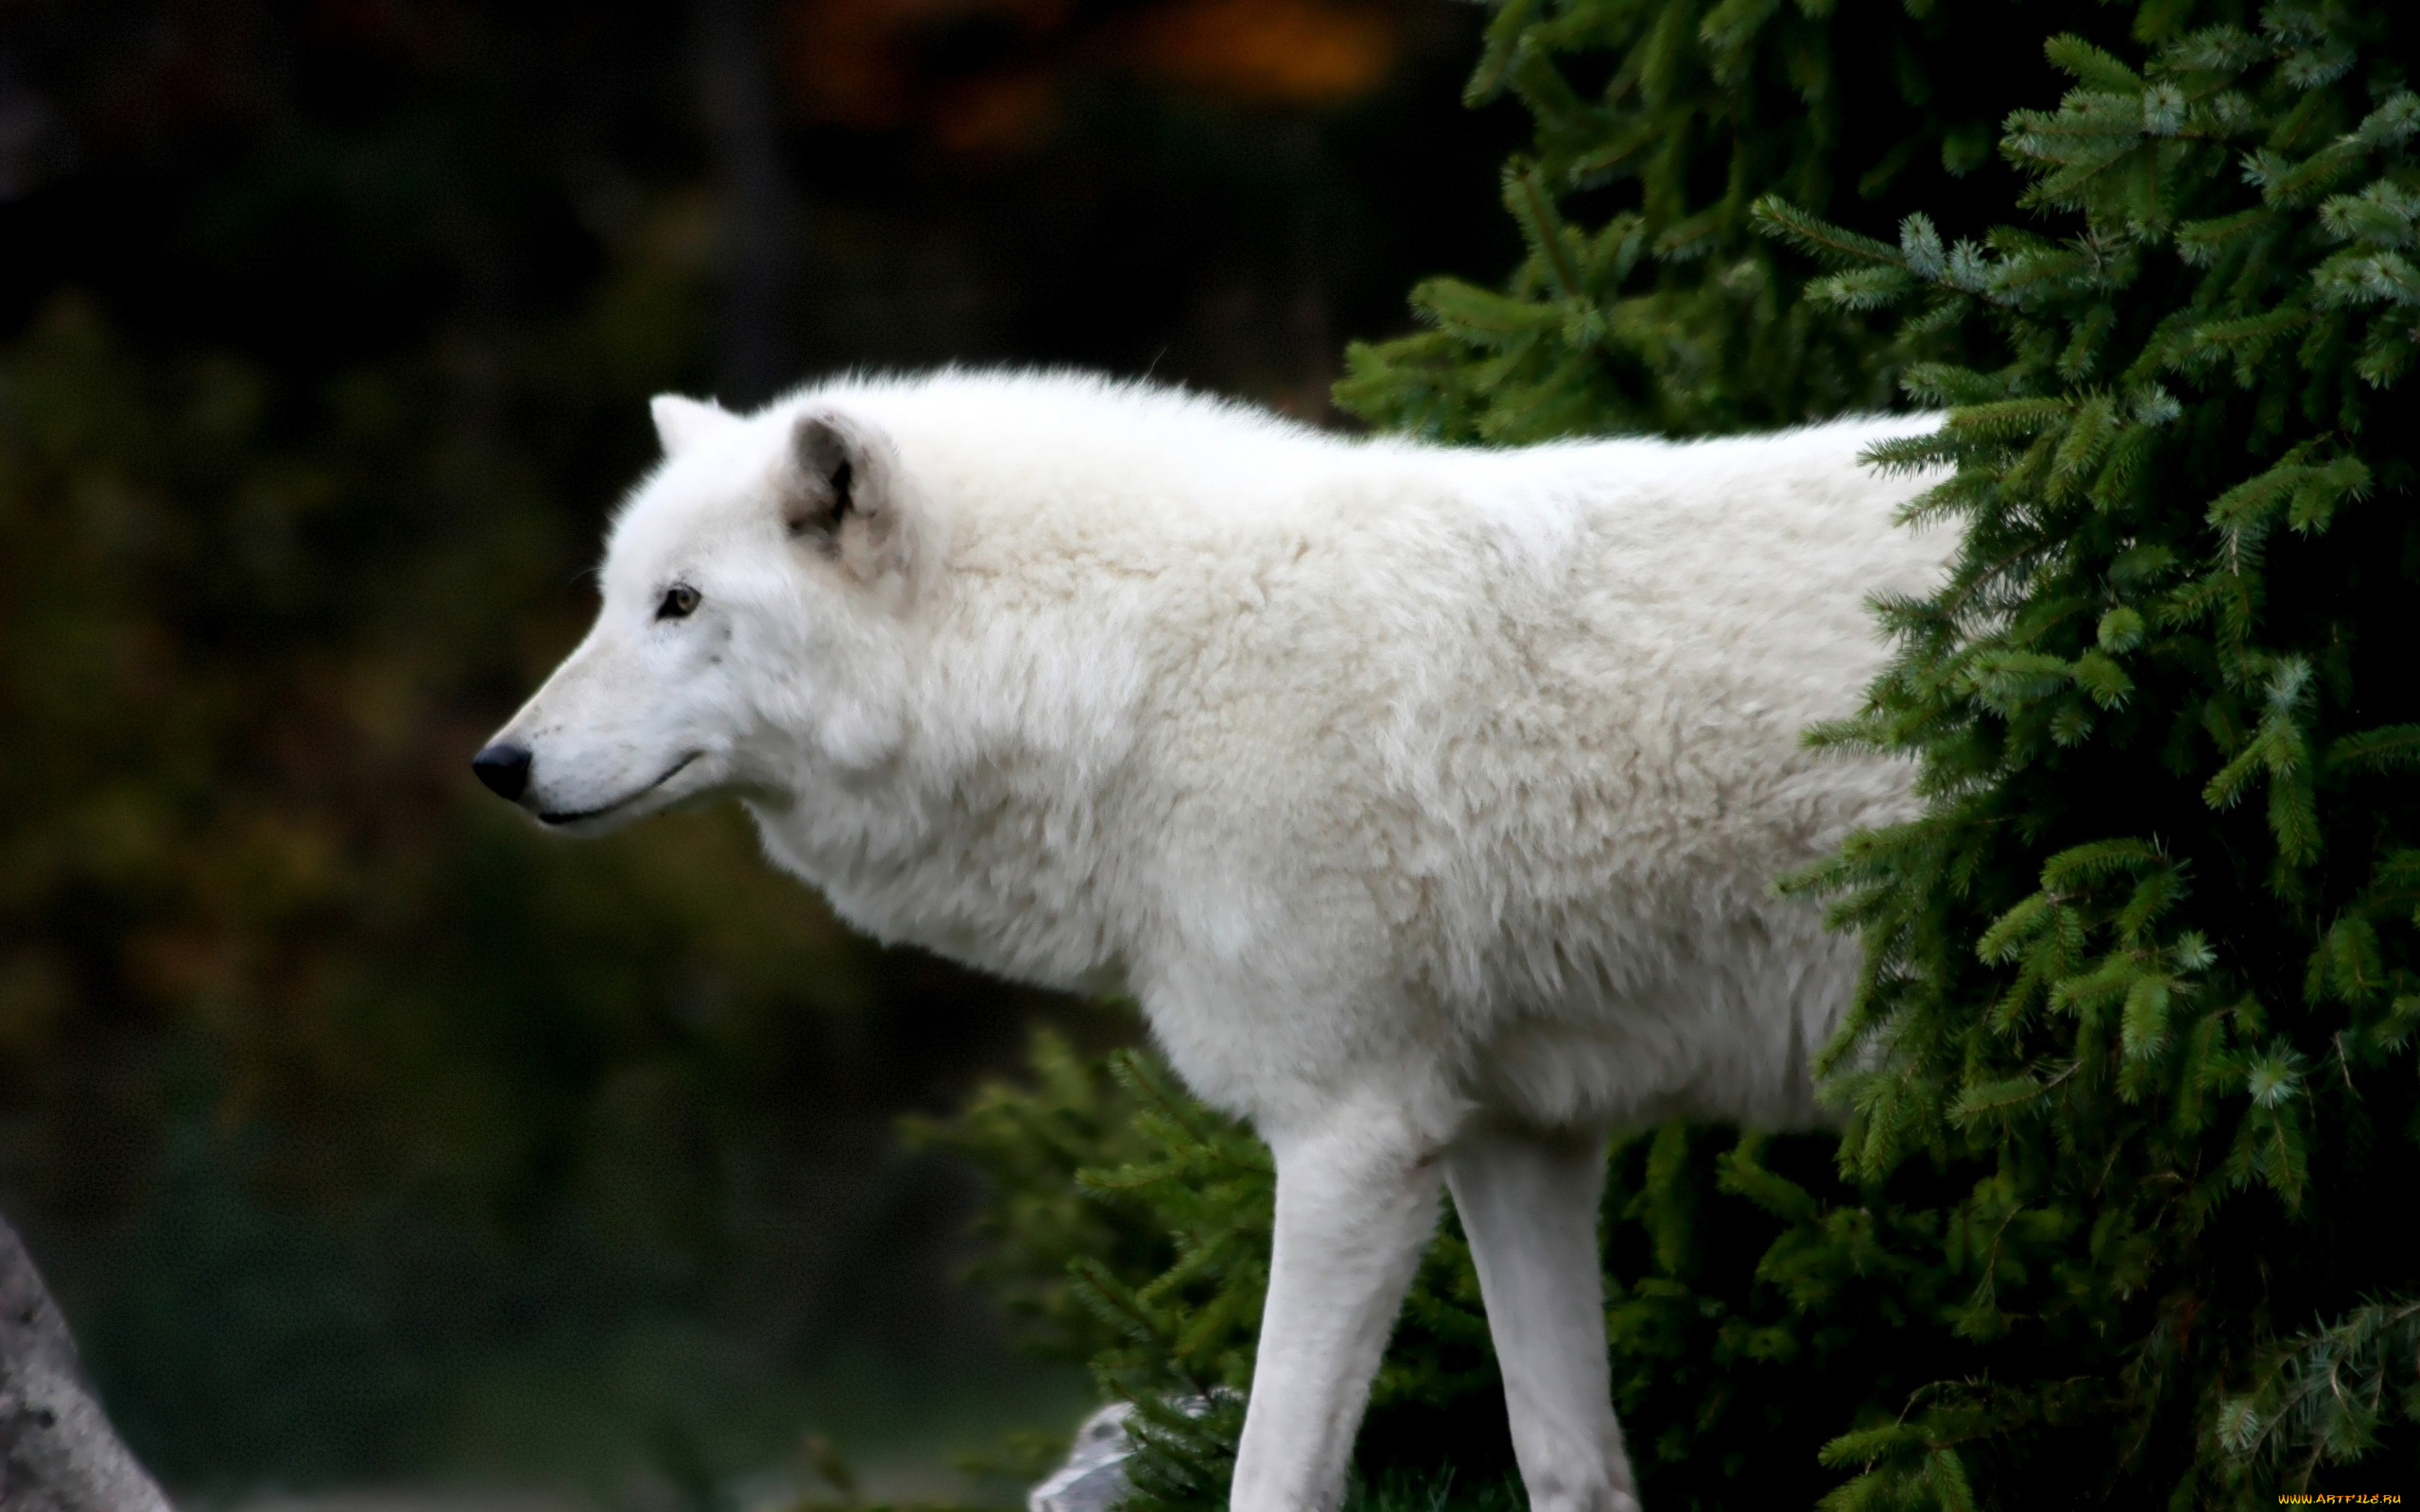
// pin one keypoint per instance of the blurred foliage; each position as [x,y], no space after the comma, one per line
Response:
[341,1107]
[246,890]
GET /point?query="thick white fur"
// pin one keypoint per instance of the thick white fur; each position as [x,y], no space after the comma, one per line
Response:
[1425,799]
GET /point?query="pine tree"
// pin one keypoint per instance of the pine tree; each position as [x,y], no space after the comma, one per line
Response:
[2131,1066]
[2147,965]
[1646,302]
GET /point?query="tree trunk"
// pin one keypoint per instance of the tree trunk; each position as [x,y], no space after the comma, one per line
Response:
[57,1453]
[760,210]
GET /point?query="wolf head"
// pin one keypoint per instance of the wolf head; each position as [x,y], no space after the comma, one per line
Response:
[758,594]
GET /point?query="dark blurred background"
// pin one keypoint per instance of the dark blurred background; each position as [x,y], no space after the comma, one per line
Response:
[368,1136]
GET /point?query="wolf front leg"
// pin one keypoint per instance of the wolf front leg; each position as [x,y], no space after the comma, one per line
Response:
[1357,1204]
[1528,1201]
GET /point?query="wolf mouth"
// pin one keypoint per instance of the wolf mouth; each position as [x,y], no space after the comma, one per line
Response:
[626,799]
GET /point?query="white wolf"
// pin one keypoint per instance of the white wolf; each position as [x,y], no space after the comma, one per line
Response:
[1425,799]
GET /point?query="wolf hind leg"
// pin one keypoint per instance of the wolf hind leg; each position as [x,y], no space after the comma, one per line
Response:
[1528,1200]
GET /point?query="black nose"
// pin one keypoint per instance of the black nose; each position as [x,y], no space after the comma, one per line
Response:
[505,769]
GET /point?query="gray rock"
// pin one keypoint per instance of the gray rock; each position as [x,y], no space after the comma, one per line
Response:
[1094,1478]
[57,1453]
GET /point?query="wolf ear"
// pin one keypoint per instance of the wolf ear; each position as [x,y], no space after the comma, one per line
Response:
[841,498]
[680,423]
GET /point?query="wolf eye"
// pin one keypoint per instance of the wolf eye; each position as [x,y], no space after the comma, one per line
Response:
[679,602]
